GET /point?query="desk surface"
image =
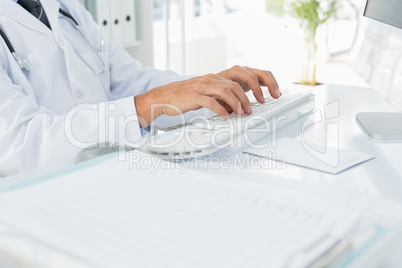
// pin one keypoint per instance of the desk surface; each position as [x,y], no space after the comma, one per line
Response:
[380,177]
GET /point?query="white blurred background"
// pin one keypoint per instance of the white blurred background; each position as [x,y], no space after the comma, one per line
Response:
[203,36]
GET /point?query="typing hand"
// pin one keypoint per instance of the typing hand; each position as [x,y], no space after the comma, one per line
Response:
[222,93]
[252,79]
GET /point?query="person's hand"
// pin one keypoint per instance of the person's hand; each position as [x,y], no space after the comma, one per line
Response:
[211,91]
[252,79]
[223,94]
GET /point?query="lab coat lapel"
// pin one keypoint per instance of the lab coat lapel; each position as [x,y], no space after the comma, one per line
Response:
[51,8]
[17,13]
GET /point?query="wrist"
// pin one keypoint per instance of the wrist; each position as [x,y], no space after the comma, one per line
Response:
[148,107]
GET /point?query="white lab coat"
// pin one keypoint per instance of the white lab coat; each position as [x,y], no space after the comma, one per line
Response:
[36,127]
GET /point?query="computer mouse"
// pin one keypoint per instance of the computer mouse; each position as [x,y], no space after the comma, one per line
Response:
[100,150]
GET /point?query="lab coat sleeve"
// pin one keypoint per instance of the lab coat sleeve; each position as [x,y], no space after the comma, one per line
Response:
[32,136]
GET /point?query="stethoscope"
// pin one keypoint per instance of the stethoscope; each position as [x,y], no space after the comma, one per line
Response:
[20,61]
[23,64]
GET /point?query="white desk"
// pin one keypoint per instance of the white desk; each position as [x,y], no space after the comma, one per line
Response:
[380,177]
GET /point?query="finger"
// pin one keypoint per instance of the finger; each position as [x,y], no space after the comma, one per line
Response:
[241,74]
[225,94]
[226,106]
[274,79]
[213,105]
[267,79]
[242,84]
[235,89]
[241,95]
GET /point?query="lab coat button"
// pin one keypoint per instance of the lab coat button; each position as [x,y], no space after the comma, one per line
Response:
[60,42]
[79,95]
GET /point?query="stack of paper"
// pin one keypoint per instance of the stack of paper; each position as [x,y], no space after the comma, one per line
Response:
[112,216]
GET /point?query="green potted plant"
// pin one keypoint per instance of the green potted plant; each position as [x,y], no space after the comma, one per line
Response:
[311,14]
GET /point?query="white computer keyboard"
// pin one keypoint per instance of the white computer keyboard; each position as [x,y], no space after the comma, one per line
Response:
[203,136]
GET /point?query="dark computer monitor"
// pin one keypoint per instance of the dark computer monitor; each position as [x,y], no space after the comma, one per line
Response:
[388,12]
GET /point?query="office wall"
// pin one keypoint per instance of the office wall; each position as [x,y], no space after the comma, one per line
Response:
[144,52]
[118,29]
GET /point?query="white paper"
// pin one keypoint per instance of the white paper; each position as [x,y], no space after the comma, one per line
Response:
[327,159]
[113,216]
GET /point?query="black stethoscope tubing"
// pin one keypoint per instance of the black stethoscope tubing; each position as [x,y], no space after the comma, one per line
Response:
[5,38]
